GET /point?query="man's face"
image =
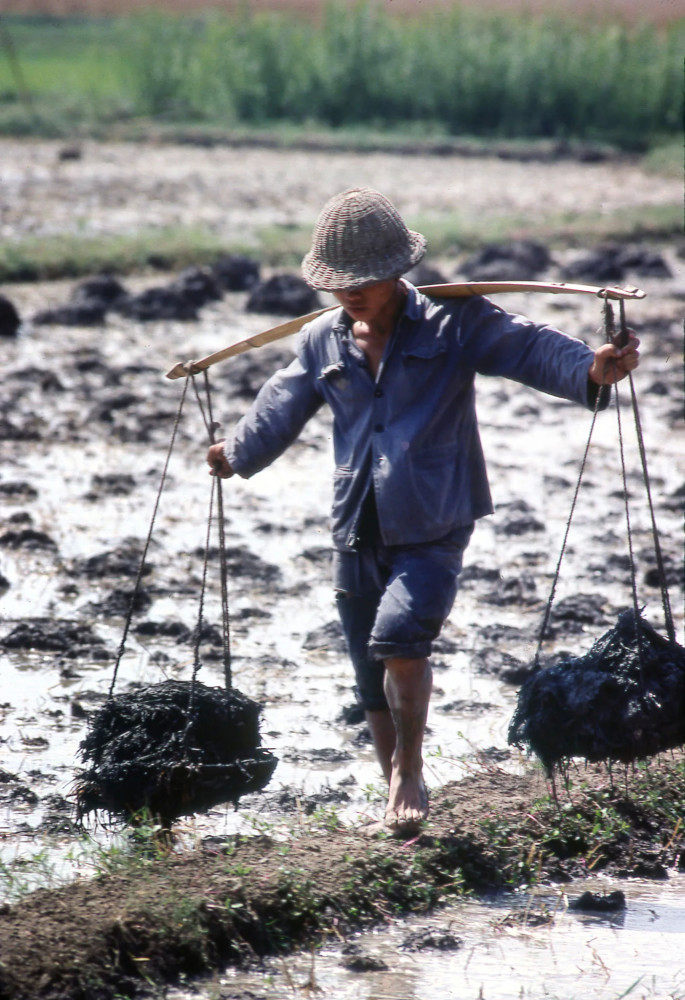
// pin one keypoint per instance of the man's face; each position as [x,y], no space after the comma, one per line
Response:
[369,303]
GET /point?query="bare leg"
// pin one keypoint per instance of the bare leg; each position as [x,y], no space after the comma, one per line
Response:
[383,734]
[408,686]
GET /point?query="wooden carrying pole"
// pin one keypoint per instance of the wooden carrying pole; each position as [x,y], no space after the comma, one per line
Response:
[460,289]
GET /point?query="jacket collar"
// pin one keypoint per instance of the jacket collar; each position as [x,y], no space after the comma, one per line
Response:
[412,305]
[412,310]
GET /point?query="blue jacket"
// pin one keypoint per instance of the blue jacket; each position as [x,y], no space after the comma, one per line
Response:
[413,430]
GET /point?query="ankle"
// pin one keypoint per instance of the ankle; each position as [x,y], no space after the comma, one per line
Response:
[407,770]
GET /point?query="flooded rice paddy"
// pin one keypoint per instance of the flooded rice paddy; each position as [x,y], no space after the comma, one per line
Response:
[88,419]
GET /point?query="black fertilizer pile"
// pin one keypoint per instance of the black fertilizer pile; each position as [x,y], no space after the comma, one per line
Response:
[618,702]
[147,751]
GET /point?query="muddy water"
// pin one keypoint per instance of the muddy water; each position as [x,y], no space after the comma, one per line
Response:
[503,949]
[534,447]
[88,405]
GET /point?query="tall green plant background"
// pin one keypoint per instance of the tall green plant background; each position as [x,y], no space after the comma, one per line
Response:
[461,72]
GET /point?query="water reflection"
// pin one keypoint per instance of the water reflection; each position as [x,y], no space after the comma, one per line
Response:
[505,953]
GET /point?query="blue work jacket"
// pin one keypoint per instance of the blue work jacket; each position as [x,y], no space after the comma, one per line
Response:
[412,431]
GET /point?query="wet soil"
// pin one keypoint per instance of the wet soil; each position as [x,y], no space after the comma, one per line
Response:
[85,428]
[183,914]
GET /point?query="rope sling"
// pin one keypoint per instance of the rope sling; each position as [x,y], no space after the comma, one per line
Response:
[176,748]
[625,699]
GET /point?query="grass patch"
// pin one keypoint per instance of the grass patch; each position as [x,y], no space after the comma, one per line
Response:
[666,159]
[637,829]
[71,256]
[456,232]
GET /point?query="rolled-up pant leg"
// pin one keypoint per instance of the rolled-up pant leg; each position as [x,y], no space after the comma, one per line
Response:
[393,602]
[359,583]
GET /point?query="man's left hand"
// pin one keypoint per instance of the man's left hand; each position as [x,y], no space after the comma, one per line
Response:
[613,363]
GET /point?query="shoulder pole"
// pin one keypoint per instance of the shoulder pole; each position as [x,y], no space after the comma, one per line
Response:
[461,289]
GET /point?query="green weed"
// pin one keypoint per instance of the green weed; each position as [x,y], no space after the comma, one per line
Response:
[459,71]
[22,875]
[137,850]
[70,256]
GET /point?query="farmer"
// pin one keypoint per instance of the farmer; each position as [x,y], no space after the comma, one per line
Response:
[397,369]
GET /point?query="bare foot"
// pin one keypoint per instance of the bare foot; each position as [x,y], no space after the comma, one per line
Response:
[407,803]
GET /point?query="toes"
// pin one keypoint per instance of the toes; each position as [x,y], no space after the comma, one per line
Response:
[404,827]
[405,823]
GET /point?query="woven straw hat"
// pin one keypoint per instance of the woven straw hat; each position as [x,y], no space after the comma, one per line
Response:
[360,238]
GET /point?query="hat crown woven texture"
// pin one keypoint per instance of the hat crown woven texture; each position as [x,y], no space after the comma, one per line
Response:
[360,238]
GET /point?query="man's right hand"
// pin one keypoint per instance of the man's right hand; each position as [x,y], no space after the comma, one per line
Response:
[216,460]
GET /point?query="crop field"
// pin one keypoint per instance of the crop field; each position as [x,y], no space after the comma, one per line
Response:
[491,70]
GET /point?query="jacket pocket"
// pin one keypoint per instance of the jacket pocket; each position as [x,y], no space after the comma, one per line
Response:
[434,478]
[332,370]
[424,352]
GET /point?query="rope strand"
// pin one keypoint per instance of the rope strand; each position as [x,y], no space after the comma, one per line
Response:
[626,501]
[665,600]
[211,426]
[550,600]
[225,613]
[197,639]
[620,338]
[136,587]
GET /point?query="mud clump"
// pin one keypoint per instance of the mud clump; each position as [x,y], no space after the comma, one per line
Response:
[120,602]
[432,939]
[10,320]
[27,538]
[622,701]
[122,561]
[19,490]
[610,261]
[114,484]
[518,260]
[597,902]
[285,294]
[173,749]
[67,638]
[236,273]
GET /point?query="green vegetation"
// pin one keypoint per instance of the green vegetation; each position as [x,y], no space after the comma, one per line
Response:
[132,852]
[596,826]
[458,72]
[72,256]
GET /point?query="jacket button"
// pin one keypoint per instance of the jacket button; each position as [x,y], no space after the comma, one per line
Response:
[378,428]
[378,392]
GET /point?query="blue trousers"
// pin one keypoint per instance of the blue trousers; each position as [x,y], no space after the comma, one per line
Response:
[393,601]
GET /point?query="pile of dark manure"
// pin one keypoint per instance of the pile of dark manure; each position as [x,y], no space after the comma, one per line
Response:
[171,749]
[622,701]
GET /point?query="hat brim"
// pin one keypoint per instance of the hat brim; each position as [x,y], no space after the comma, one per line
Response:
[326,277]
